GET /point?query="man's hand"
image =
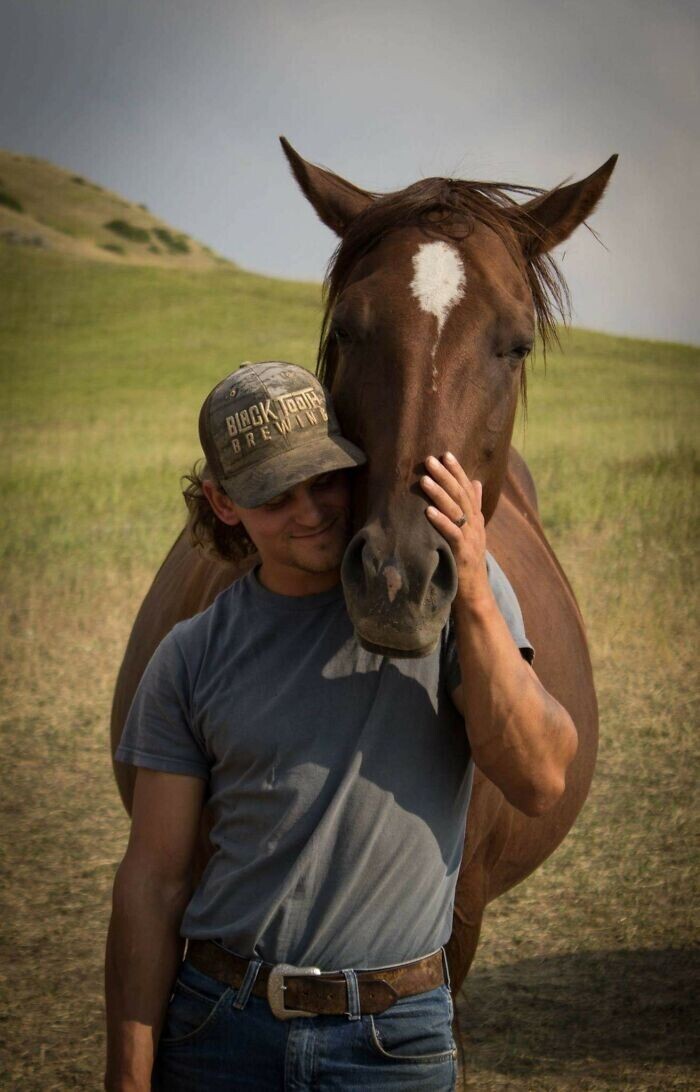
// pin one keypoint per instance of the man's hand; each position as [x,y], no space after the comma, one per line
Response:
[453,496]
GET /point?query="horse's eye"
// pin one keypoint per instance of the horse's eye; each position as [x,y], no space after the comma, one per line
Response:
[519,352]
[340,334]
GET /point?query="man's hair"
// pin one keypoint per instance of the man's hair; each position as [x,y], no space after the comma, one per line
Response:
[205,528]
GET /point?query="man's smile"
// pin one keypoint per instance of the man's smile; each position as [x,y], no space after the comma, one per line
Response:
[320,532]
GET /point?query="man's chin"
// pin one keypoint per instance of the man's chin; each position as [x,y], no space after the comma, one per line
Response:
[319,560]
[318,565]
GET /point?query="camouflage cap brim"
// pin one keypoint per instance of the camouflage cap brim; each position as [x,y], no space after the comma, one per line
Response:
[264,481]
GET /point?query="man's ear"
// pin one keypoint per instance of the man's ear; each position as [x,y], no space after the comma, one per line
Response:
[222,505]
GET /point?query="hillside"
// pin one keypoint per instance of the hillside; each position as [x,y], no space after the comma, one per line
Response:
[47,208]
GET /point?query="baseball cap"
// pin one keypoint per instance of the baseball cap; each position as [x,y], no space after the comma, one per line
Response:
[269,426]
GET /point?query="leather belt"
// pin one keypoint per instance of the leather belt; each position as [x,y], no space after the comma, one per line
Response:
[306,991]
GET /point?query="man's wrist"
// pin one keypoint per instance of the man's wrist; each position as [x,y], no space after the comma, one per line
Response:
[474,600]
[129,1065]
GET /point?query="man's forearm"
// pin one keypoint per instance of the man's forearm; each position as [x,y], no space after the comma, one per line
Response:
[144,950]
[520,736]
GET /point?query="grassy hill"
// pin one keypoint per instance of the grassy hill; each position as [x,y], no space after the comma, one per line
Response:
[584,975]
[46,208]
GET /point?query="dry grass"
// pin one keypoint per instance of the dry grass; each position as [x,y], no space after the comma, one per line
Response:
[584,974]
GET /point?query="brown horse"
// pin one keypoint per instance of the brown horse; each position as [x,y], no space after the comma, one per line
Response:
[434,298]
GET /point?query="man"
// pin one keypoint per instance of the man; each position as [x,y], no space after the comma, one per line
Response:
[338,781]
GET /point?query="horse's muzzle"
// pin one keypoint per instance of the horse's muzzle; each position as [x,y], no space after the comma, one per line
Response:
[398,599]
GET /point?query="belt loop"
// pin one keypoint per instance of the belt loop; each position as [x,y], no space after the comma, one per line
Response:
[446,969]
[251,973]
[353,1012]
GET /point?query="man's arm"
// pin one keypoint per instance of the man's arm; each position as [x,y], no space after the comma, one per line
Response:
[520,736]
[151,891]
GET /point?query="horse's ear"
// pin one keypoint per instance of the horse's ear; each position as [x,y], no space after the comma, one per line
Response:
[336,201]
[546,221]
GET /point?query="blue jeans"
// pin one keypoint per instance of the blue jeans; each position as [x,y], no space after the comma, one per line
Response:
[210,1045]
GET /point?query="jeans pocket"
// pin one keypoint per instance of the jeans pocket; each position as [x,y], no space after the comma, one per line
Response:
[416,1030]
[450,1003]
[196,1002]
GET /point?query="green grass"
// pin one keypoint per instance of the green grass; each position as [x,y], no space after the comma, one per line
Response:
[96,366]
[10,202]
[176,244]
[582,979]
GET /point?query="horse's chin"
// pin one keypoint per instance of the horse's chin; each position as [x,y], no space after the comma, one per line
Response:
[400,634]
[397,653]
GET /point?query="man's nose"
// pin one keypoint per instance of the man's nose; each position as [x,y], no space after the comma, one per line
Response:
[307,509]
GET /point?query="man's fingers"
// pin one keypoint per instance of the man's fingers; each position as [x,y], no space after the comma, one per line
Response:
[442,499]
[446,526]
[452,477]
[449,483]
[469,486]
[455,467]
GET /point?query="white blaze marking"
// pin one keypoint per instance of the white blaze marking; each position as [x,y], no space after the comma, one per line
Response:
[438,283]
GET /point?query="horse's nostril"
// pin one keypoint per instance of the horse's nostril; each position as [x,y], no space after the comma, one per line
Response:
[444,577]
[353,569]
[377,580]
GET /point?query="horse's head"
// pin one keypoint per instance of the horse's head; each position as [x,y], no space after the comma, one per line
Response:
[434,298]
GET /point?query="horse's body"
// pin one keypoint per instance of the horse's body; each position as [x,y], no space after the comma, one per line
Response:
[503,845]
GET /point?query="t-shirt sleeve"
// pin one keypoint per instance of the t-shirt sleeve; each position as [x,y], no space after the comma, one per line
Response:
[158,732]
[509,607]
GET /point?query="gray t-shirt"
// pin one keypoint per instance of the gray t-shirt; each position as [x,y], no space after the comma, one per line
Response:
[339,779]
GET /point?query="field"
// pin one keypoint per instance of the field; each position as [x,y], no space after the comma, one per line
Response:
[585,972]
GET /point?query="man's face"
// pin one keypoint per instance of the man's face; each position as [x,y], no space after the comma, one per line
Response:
[306,528]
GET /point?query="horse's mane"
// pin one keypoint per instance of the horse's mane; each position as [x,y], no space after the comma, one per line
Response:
[445,208]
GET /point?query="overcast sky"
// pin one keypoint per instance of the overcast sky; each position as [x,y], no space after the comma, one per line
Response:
[178,104]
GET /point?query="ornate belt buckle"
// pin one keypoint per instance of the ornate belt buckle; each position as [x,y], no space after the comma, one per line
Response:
[276,988]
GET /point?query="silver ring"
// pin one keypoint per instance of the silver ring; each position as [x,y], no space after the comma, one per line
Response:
[461,521]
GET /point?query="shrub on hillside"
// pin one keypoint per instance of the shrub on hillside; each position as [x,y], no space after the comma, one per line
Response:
[114,247]
[176,244]
[10,202]
[128,231]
